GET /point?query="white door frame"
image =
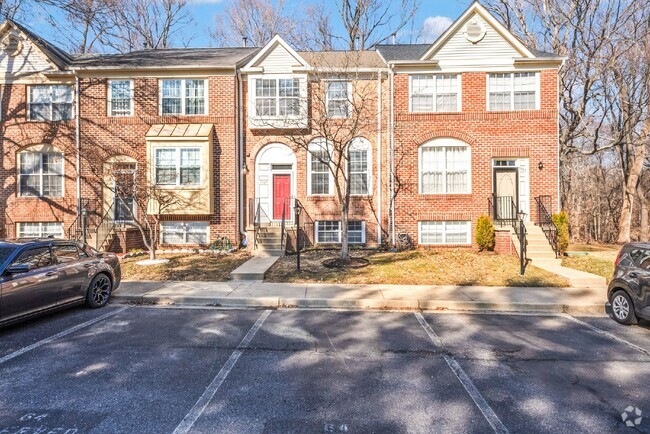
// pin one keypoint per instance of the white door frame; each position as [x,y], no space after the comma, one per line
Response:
[273,154]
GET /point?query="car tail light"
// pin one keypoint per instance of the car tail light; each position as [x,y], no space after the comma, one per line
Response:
[618,257]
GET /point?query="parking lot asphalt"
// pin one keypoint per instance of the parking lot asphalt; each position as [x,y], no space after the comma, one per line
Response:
[208,370]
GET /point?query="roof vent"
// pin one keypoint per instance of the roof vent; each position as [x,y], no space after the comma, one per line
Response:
[12,45]
[474,31]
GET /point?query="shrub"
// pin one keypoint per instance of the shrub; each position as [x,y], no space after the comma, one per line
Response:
[561,220]
[484,233]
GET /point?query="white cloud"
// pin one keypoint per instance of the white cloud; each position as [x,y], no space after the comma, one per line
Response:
[434,27]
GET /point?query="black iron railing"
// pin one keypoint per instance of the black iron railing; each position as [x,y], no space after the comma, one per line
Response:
[502,210]
[545,221]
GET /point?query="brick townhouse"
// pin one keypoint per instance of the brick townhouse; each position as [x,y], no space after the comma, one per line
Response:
[462,127]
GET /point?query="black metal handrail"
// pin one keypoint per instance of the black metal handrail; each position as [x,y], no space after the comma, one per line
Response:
[546,223]
[502,210]
[254,204]
[105,228]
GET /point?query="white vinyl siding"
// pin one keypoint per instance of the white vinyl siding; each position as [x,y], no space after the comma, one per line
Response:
[40,230]
[183,97]
[329,232]
[120,98]
[338,99]
[40,174]
[435,93]
[177,166]
[51,102]
[444,232]
[277,97]
[444,169]
[513,91]
[185,233]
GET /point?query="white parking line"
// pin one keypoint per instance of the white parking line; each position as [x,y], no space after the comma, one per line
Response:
[467,383]
[59,335]
[196,411]
[608,334]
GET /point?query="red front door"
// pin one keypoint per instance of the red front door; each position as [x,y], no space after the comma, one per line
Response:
[281,191]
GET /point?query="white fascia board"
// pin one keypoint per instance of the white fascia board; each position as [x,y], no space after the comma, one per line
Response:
[271,44]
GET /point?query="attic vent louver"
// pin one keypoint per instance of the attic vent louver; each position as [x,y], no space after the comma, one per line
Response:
[474,31]
[12,45]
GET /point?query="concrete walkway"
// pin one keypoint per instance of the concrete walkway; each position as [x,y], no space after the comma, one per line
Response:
[301,295]
[255,268]
[576,278]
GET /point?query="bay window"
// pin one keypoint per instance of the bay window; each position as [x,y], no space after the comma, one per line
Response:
[50,102]
[277,97]
[178,166]
[183,97]
[444,167]
[513,91]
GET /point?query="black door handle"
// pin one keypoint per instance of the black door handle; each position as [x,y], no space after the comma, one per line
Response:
[50,274]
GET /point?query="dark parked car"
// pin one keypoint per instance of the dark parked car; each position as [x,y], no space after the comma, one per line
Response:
[628,293]
[41,275]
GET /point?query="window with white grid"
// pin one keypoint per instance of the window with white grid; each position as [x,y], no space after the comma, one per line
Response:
[277,97]
[359,167]
[178,166]
[338,99]
[329,232]
[444,232]
[444,169]
[183,97]
[120,97]
[51,102]
[435,93]
[40,174]
[513,91]
[40,229]
[185,233]
[319,176]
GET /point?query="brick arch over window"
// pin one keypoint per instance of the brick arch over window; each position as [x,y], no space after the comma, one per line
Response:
[441,134]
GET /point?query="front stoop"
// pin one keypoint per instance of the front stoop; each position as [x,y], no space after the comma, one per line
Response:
[255,268]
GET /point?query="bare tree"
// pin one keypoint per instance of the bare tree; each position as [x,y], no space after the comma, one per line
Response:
[147,24]
[9,8]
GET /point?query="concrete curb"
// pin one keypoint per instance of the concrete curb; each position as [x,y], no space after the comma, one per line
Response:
[371,304]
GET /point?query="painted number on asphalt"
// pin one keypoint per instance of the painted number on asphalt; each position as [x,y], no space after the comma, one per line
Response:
[330,427]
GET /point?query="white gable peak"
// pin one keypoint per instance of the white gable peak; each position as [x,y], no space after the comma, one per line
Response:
[276,56]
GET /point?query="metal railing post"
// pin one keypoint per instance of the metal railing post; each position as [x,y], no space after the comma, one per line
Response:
[84,233]
[522,248]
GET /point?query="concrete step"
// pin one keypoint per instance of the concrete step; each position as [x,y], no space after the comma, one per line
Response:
[267,250]
[255,268]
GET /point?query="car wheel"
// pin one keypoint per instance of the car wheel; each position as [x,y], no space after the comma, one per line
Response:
[623,309]
[99,291]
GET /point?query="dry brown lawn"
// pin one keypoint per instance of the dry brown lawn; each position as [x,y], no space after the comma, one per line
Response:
[185,266]
[417,267]
[599,260]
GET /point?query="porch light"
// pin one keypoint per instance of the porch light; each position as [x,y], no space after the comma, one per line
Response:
[245,168]
[521,216]
[540,166]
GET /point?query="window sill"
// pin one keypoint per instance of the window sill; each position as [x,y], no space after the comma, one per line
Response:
[436,112]
[433,196]
[39,197]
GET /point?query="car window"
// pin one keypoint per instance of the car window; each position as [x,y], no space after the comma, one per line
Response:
[66,253]
[35,258]
[644,260]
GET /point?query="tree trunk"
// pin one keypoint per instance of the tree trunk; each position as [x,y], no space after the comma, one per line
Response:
[345,247]
[644,231]
[625,221]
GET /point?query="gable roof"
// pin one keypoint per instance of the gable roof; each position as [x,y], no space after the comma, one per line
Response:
[343,59]
[270,46]
[195,58]
[398,52]
[56,55]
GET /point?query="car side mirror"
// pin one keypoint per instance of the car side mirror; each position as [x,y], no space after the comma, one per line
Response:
[18,269]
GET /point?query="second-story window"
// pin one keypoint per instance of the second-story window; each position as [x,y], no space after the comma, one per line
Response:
[50,102]
[178,166]
[40,174]
[513,91]
[277,97]
[120,98]
[338,99]
[183,97]
[435,93]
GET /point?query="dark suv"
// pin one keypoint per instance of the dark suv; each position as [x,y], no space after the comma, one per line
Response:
[39,275]
[628,293]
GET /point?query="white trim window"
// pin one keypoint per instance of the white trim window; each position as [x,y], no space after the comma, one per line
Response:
[183,97]
[39,229]
[338,99]
[319,178]
[177,166]
[277,97]
[120,97]
[329,232]
[513,91]
[360,167]
[51,102]
[435,93]
[176,233]
[445,232]
[40,174]
[445,168]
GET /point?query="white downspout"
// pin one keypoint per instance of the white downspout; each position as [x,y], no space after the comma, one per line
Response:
[78,142]
[241,160]
[392,151]
[379,145]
